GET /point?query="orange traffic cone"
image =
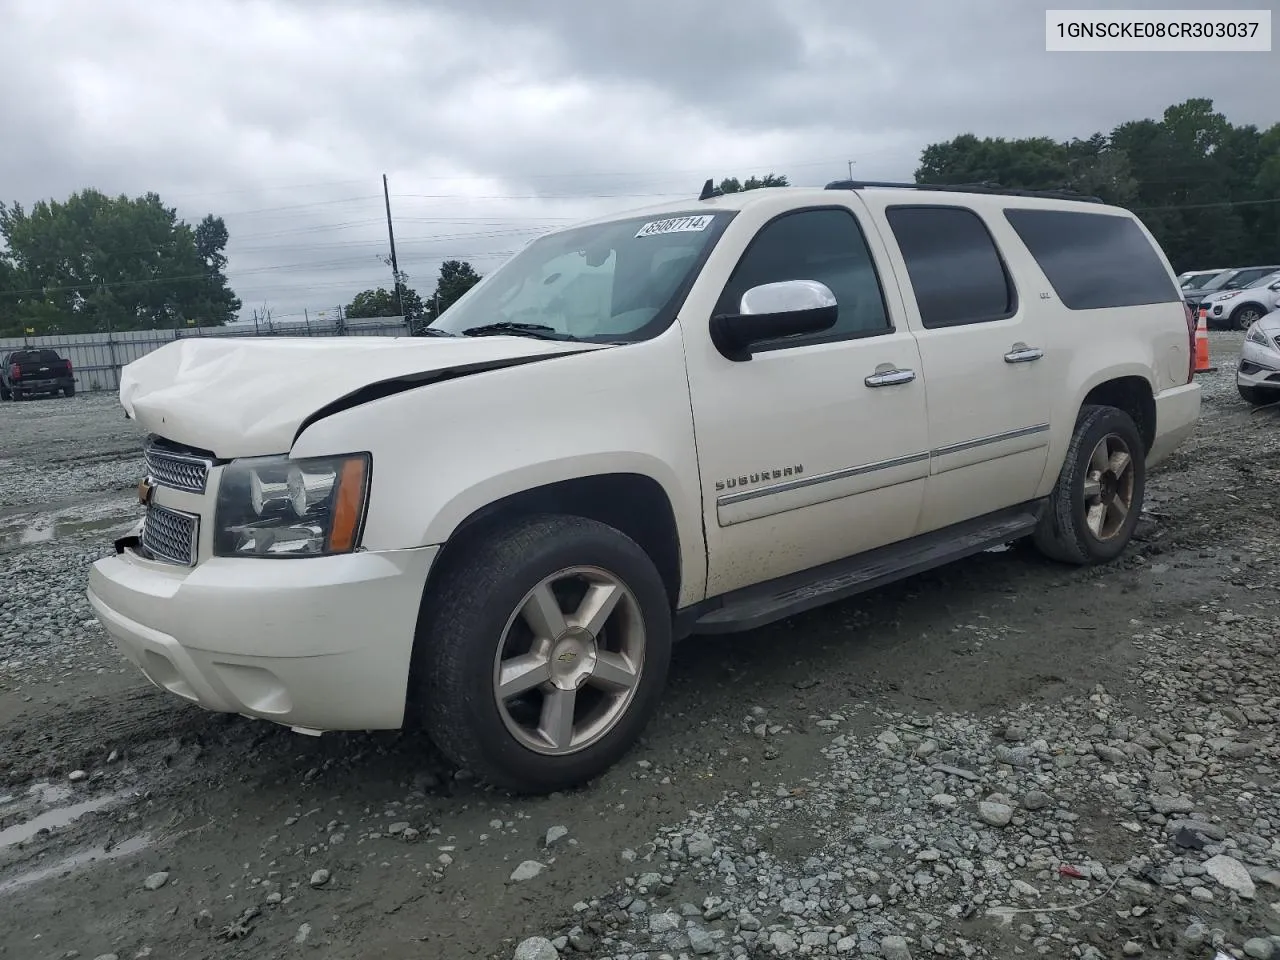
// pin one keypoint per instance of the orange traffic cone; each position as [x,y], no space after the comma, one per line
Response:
[1202,347]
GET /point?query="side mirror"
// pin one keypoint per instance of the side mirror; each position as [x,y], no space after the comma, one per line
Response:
[771,311]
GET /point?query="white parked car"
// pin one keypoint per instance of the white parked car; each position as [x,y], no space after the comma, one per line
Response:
[697,418]
[1238,309]
[1258,374]
[1195,279]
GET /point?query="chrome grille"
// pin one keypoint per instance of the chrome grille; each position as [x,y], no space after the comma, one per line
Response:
[181,471]
[170,536]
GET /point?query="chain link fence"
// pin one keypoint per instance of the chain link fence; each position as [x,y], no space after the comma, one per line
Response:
[97,358]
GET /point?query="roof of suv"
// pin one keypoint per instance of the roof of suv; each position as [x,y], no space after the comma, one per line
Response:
[979,195]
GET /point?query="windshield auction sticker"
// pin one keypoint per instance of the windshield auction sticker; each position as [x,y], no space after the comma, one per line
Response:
[657,228]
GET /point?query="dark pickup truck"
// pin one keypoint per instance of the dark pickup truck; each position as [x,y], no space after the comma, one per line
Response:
[25,373]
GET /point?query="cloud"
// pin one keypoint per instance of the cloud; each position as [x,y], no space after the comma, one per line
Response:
[498,119]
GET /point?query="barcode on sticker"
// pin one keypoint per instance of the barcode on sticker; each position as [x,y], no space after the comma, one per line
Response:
[656,228]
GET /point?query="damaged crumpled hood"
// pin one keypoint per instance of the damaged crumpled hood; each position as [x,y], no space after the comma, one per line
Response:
[247,397]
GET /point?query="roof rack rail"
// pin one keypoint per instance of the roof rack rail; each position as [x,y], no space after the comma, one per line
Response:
[991,188]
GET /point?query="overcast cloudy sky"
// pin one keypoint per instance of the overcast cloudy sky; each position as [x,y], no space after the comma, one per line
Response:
[499,119]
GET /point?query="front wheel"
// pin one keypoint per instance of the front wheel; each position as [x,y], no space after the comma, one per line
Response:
[1097,501]
[541,653]
[1244,318]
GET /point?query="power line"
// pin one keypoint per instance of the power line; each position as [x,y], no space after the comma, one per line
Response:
[1206,206]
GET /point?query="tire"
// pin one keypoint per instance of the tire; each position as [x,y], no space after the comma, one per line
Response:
[1244,316]
[69,391]
[472,614]
[4,393]
[1256,395]
[17,394]
[1064,533]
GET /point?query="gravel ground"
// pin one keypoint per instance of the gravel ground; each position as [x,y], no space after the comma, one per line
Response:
[1002,758]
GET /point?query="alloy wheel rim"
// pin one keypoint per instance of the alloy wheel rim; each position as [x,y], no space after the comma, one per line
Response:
[569,661]
[1109,487]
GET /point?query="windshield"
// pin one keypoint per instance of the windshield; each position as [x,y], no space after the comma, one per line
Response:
[1198,281]
[1265,279]
[606,281]
[33,356]
[1246,278]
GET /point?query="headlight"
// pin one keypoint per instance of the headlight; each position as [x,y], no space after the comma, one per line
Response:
[1257,336]
[278,507]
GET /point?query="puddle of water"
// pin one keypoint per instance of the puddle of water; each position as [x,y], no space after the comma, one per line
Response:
[58,817]
[44,532]
[75,861]
[50,792]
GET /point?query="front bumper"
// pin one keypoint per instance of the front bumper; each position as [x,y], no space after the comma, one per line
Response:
[1259,366]
[315,643]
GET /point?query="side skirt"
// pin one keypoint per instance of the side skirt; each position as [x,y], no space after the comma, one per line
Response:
[765,603]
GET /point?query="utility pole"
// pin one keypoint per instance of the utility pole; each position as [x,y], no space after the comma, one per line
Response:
[391,236]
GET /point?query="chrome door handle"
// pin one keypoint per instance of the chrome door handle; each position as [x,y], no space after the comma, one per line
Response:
[1021,353]
[889,378]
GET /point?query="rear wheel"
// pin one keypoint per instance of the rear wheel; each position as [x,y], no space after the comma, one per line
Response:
[541,653]
[4,393]
[1256,395]
[69,391]
[1097,501]
[17,394]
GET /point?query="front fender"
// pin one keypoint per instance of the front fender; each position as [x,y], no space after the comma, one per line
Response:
[444,450]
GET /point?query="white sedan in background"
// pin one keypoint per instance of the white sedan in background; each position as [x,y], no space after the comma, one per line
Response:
[1258,376]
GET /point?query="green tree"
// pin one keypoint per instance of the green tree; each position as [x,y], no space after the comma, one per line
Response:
[371,303]
[96,262]
[11,282]
[732,185]
[1033,163]
[382,303]
[456,278]
[1206,189]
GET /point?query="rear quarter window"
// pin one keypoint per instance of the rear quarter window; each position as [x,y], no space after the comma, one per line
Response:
[1094,260]
[34,356]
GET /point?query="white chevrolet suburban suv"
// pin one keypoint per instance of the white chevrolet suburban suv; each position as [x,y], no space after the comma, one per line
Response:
[698,418]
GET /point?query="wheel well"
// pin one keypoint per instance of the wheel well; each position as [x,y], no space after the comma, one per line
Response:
[1132,395]
[630,502]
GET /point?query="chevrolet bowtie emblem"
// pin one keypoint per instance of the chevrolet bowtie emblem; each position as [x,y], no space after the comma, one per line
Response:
[144,492]
[567,657]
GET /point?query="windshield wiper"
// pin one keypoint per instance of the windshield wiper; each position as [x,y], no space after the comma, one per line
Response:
[435,332]
[537,330]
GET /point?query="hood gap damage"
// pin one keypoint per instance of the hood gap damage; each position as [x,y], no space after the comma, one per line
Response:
[386,388]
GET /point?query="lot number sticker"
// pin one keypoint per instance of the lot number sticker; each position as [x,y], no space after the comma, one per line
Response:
[657,228]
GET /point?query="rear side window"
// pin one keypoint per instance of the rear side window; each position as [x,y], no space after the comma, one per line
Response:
[1094,260]
[34,356]
[956,271]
